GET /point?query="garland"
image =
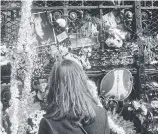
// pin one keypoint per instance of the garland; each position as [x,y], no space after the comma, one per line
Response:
[14,90]
[20,105]
[27,39]
[14,103]
[120,126]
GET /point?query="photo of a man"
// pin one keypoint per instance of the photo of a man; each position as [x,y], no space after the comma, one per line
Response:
[43,29]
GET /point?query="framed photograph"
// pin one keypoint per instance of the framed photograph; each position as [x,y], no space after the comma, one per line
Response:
[43,29]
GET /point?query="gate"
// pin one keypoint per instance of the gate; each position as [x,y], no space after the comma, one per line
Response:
[138,28]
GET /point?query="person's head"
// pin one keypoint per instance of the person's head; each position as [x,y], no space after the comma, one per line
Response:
[69,93]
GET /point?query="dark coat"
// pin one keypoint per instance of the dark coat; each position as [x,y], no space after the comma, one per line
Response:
[64,126]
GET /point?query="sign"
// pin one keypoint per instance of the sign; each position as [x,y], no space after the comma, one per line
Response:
[62,36]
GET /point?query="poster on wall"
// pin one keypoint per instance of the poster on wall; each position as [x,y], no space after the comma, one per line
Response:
[43,29]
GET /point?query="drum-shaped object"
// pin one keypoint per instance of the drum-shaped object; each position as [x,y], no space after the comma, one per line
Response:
[117,84]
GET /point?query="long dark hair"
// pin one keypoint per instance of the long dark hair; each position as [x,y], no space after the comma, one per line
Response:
[68,93]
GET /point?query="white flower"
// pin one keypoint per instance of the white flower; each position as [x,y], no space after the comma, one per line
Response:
[54,51]
[4,61]
[114,41]
[144,109]
[136,105]
[94,29]
[61,22]
[85,62]
[63,50]
[3,49]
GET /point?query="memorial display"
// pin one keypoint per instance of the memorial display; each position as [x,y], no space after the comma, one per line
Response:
[115,42]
